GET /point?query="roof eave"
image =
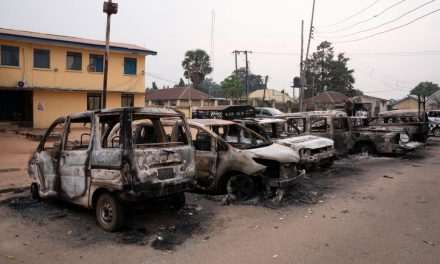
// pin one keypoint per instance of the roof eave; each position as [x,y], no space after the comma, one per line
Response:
[74,44]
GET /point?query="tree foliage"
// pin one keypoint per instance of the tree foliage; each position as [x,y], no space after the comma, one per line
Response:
[181,83]
[425,89]
[232,87]
[154,86]
[196,65]
[212,88]
[255,81]
[325,70]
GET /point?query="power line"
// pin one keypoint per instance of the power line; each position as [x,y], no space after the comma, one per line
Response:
[369,19]
[367,54]
[389,30]
[386,23]
[160,78]
[358,13]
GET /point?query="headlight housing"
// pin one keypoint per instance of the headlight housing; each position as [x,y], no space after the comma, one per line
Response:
[403,137]
[304,153]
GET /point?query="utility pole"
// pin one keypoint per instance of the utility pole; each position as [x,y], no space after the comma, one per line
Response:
[311,30]
[301,100]
[236,52]
[247,69]
[265,88]
[247,73]
[109,8]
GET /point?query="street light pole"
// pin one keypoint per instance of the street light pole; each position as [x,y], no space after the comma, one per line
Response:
[109,8]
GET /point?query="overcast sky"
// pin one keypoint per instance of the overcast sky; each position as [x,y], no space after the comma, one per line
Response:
[387,65]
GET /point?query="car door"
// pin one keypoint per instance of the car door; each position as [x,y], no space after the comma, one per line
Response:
[206,157]
[45,161]
[342,134]
[75,156]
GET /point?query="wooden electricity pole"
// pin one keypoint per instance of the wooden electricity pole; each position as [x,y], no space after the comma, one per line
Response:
[265,88]
[301,99]
[109,8]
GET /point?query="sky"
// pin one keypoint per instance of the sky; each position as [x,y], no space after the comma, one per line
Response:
[387,65]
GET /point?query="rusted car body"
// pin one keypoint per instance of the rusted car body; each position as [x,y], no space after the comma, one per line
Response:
[416,123]
[226,112]
[348,138]
[235,160]
[91,167]
[313,151]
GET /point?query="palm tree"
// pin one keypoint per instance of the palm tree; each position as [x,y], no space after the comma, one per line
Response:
[196,65]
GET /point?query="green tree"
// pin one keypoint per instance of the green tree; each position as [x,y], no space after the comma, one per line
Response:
[181,83]
[325,70]
[425,89]
[232,87]
[154,86]
[255,81]
[196,65]
[212,88]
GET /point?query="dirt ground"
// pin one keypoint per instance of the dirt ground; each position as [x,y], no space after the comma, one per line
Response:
[362,210]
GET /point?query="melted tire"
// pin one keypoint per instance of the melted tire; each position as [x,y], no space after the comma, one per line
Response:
[109,212]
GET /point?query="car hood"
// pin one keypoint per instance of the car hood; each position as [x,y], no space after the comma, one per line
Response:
[276,152]
[308,141]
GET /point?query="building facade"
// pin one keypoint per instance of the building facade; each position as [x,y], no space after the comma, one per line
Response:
[369,105]
[408,102]
[45,76]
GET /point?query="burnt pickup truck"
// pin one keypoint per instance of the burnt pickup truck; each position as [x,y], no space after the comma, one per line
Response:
[89,165]
[235,160]
[348,138]
[313,151]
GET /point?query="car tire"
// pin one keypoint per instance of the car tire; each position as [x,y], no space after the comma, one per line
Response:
[35,194]
[365,147]
[109,212]
[240,187]
[436,132]
[177,201]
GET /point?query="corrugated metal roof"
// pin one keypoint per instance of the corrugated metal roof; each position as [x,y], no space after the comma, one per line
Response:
[329,97]
[35,37]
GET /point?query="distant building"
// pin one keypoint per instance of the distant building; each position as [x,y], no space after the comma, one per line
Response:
[408,102]
[326,100]
[182,97]
[369,104]
[433,102]
[45,76]
[271,95]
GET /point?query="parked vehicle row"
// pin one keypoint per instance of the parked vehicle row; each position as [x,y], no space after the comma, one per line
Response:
[105,159]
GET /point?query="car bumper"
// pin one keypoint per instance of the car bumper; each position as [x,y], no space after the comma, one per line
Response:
[282,183]
[156,190]
[318,158]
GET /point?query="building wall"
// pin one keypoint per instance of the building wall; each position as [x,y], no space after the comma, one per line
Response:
[57,77]
[408,103]
[271,94]
[49,105]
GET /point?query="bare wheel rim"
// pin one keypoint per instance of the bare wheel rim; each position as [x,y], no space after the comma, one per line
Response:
[106,212]
[240,187]
[436,132]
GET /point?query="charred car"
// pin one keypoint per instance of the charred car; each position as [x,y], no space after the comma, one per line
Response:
[434,122]
[235,160]
[313,151]
[350,137]
[414,121]
[89,166]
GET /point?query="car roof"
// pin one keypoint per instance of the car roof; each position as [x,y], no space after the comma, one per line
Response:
[141,110]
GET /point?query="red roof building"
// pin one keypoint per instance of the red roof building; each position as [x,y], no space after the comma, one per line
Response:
[180,96]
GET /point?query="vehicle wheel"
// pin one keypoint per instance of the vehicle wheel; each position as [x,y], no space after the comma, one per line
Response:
[109,212]
[240,187]
[365,148]
[177,201]
[436,132]
[34,191]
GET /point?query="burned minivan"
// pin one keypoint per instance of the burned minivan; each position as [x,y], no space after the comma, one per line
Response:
[235,160]
[89,165]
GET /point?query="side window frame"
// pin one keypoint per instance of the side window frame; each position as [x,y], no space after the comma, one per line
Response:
[50,131]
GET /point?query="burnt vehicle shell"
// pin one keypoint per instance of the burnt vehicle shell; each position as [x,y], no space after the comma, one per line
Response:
[348,138]
[313,150]
[103,173]
[414,121]
[272,165]
[226,112]
[383,140]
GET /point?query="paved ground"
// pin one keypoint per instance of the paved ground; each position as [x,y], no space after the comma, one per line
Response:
[366,210]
